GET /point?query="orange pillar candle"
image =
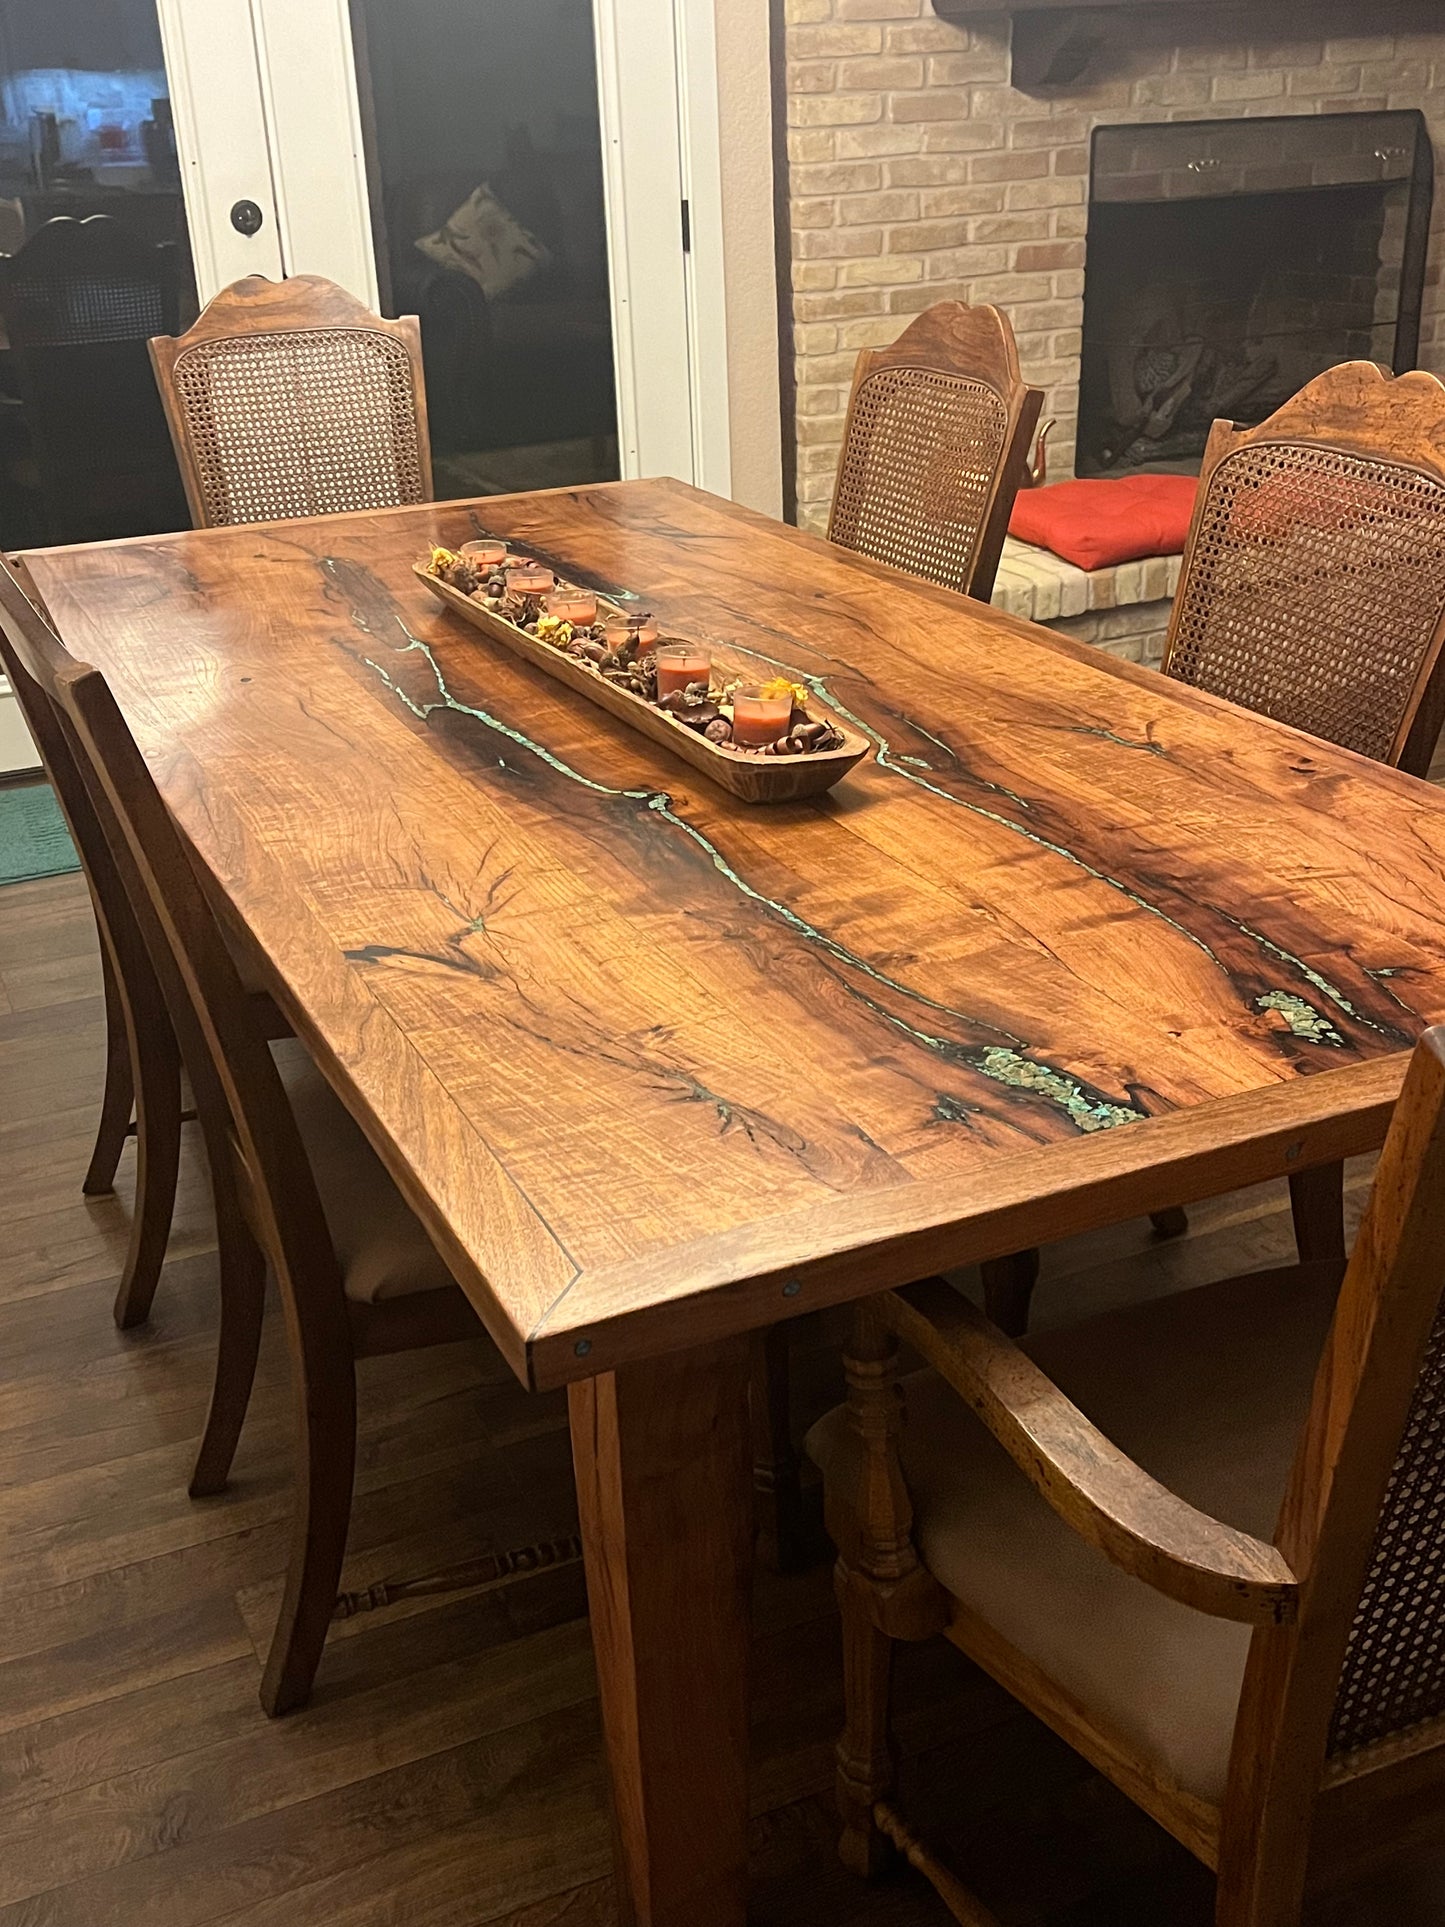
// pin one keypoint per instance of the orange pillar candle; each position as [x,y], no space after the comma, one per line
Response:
[680,664]
[617,634]
[486,555]
[577,606]
[758,719]
[531,581]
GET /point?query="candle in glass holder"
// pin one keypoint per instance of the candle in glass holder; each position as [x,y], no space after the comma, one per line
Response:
[486,555]
[616,634]
[758,719]
[577,606]
[531,581]
[679,664]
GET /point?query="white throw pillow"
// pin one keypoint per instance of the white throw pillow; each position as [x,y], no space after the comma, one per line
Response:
[483,240]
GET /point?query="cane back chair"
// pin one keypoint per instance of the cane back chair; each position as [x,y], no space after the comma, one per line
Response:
[935,447]
[1313,591]
[1272,1690]
[1313,585]
[80,300]
[296,1184]
[290,398]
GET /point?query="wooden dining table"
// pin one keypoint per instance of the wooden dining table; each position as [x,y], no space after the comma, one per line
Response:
[660,1069]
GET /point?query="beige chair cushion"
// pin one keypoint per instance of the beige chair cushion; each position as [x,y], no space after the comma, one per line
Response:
[1207,1390]
[383,1250]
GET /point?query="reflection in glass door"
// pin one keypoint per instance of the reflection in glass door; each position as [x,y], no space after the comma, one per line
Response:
[94,258]
[484,148]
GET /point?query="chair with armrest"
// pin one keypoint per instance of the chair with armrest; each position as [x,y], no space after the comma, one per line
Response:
[1313,591]
[291,398]
[297,1186]
[935,448]
[1198,1537]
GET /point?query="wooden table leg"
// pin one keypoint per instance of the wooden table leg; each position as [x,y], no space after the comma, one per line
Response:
[664,1486]
[1317,1199]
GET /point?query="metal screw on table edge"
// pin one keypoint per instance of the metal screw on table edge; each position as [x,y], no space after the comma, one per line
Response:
[792,1288]
[582,1347]
[1292,1152]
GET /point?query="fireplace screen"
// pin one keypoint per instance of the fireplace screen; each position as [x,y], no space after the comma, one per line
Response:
[1229,262]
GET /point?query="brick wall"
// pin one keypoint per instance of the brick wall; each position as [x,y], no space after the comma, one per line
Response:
[918,174]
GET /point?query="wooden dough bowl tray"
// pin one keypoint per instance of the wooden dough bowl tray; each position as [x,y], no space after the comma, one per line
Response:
[753,778]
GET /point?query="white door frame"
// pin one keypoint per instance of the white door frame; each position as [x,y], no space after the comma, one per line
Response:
[700,131]
[657,88]
[222,137]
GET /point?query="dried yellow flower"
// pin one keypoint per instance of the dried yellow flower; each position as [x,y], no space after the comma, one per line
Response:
[785,686]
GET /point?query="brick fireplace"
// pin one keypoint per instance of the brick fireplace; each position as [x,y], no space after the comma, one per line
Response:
[920,172]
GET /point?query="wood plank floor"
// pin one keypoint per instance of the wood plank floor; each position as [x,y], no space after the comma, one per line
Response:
[447,1773]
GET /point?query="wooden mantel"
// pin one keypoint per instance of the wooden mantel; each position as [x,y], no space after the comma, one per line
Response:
[1053,40]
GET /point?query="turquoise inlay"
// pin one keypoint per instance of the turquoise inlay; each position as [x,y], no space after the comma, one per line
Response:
[1002,1063]
[1303,1019]
[948,1110]
[886,760]
[1145,748]
[1090,1113]
[1320,983]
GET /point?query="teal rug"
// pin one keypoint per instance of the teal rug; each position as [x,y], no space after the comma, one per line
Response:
[34,841]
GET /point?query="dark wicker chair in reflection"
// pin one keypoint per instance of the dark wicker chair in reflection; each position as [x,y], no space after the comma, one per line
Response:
[79,302]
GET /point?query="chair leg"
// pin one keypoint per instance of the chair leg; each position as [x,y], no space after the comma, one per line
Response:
[243,1304]
[119,1095]
[865,1756]
[1317,1200]
[325,1466]
[158,1120]
[1172,1223]
[1008,1289]
[777,1480]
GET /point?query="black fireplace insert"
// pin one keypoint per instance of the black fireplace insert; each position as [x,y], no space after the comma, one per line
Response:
[1229,262]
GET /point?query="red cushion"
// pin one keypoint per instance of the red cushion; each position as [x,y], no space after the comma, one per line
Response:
[1096,524]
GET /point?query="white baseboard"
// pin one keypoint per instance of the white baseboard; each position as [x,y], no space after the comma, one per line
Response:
[17,752]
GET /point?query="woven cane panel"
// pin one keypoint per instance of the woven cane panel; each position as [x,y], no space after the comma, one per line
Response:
[1394,1674]
[1316,585]
[74,311]
[914,482]
[317,421]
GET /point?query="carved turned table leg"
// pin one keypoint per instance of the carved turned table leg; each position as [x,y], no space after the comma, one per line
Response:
[664,1486]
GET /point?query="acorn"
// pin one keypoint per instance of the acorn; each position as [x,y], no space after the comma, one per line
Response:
[719,730]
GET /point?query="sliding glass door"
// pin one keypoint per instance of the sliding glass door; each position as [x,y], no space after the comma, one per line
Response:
[484,148]
[515,172]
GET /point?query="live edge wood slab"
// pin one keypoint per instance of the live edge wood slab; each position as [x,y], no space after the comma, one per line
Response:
[658,1068]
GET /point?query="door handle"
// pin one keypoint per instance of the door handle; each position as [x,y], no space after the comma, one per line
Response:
[247,218]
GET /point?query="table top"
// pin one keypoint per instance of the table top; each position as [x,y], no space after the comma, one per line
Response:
[656,1065]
